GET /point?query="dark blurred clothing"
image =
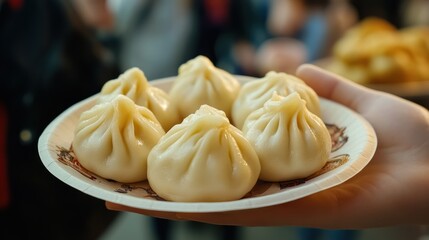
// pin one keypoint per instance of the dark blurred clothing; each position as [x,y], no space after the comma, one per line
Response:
[386,9]
[47,63]
[222,25]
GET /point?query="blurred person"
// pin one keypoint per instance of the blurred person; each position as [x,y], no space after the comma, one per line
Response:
[302,31]
[156,36]
[48,61]
[299,30]
[159,36]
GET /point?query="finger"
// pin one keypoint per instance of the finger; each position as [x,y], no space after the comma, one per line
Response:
[152,213]
[334,87]
[318,210]
[310,211]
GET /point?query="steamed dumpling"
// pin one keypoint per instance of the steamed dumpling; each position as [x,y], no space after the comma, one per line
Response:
[133,84]
[203,159]
[200,82]
[113,139]
[254,94]
[291,142]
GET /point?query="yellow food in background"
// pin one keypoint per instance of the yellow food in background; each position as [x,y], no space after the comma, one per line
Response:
[374,51]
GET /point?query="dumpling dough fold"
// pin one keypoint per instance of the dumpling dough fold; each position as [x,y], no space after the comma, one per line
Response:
[200,82]
[133,84]
[254,94]
[291,142]
[203,159]
[113,139]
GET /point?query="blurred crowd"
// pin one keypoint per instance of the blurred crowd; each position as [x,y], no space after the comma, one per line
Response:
[54,53]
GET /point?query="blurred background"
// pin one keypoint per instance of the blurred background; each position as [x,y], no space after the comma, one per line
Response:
[54,53]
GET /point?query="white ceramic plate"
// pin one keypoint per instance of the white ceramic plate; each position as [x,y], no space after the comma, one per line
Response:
[354,144]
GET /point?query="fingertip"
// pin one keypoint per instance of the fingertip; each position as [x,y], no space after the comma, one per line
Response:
[310,71]
[318,79]
[332,86]
[303,67]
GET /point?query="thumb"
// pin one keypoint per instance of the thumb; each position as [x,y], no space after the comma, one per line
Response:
[338,89]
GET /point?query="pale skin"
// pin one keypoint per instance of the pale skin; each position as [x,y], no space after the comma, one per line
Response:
[393,189]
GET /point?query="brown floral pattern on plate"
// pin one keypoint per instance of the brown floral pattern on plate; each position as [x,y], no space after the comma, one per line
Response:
[338,137]
[143,189]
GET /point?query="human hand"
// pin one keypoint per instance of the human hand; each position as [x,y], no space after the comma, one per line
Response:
[392,189]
